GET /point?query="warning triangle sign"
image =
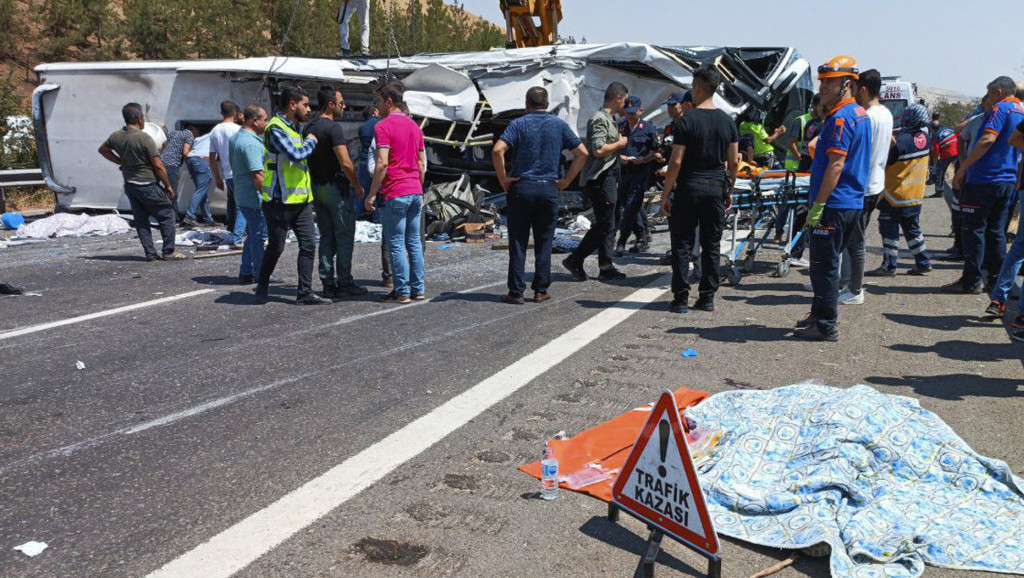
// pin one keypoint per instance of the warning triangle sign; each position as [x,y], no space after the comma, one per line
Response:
[658,482]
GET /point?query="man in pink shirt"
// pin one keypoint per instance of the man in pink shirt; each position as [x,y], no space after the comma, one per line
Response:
[398,177]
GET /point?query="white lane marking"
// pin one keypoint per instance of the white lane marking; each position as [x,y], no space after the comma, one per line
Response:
[248,540]
[67,450]
[99,314]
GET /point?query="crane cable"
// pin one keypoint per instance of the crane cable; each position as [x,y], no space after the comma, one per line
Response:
[280,49]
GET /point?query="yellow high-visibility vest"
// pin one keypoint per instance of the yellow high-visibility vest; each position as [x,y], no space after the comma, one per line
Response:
[294,180]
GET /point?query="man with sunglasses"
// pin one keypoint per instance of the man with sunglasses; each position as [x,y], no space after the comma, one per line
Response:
[334,181]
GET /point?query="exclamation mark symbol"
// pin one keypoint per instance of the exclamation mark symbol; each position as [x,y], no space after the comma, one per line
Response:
[663,430]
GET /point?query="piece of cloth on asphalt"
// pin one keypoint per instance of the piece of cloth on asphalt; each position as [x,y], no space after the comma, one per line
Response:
[888,485]
[196,238]
[68,225]
[135,148]
[607,444]
[367,232]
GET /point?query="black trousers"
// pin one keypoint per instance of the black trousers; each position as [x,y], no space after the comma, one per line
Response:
[688,213]
[532,206]
[280,219]
[603,194]
[151,201]
[828,241]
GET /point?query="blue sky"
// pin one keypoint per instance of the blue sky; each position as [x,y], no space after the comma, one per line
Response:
[937,44]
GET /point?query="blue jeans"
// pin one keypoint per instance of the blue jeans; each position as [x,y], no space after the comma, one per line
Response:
[253,249]
[238,226]
[202,176]
[984,210]
[827,242]
[401,219]
[172,177]
[532,206]
[1011,267]
[890,221]
[630,213]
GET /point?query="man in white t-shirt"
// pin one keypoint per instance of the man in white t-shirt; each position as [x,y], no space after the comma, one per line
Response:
[220,164]
[869,86]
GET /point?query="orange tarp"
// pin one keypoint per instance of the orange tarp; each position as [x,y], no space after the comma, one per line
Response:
[607,444]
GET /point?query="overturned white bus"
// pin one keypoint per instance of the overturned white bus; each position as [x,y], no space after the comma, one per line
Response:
[463,101]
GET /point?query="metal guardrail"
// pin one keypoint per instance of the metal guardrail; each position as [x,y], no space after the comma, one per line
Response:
[19,178]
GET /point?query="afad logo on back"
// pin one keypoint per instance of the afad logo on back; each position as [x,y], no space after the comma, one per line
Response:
[658,482]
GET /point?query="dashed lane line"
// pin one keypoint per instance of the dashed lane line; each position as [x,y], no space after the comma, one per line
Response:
[99,314]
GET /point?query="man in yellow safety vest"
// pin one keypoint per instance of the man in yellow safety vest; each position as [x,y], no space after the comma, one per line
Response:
[287,194]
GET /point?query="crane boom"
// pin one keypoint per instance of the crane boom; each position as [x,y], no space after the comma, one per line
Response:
[531,22]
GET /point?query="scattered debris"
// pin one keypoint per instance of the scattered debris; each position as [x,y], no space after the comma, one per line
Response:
[451,206]
[689,352]
[203,240]
[367,232]
[32,548]
[215,254]
[777,567]
[79,365]
[12,220]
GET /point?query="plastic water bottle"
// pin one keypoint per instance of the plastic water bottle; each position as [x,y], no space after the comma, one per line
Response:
[549,475]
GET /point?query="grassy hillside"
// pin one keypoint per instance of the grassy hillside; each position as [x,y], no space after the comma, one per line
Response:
[84,30]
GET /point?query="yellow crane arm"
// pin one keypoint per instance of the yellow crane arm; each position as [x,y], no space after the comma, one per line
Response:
[531,22]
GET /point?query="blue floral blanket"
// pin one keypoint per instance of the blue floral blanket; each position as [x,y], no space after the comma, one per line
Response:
[886,484]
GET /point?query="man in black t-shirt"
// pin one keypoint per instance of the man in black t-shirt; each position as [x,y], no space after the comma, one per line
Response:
[334,177]
[704,160]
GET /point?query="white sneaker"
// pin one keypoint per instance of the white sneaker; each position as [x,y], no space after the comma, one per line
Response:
[848,298]
[801,262]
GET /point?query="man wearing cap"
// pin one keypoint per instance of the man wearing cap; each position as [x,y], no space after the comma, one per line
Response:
[839,177]
[637,161]
[677,105]
[990,174]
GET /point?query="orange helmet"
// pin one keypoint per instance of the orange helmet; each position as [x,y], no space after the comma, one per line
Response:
[839,66]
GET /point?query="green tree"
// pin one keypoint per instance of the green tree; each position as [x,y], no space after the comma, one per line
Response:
[156,30]
[86,27]
[952,112]
[7,28]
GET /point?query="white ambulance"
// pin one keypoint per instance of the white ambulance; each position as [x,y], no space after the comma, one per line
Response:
[897,94]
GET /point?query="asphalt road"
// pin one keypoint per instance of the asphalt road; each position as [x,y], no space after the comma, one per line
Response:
[193,414]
